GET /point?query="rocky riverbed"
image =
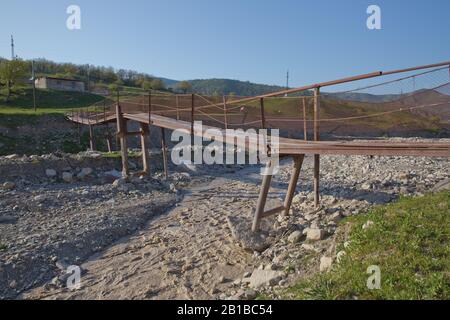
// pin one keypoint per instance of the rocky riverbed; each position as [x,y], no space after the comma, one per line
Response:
[183,238]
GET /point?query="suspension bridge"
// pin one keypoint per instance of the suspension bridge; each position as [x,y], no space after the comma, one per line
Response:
[292,111]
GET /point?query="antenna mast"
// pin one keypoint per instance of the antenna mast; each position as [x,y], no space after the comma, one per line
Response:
[13,57]
[287,82]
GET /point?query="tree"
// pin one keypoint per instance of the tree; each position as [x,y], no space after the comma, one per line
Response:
[157,84]
[11,73]
[185,86]
[147,85]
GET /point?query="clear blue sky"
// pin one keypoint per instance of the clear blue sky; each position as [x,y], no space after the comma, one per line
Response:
[250,40]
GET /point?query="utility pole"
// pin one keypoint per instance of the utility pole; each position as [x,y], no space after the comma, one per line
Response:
[88,78]
[13,57]
[33,79]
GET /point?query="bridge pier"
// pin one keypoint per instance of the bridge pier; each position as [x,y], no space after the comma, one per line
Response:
[265,187]
[145,132]
[122,135]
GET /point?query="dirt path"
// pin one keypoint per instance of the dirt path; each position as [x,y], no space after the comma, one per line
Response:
[187,253]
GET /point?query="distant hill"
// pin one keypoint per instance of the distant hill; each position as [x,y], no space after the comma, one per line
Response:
[227,86]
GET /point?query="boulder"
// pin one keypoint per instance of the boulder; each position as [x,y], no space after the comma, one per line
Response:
[8,185]
[84,173]
[315,234]
[67,176]
[263,278]
[295,237]
[51,173]
[325,264]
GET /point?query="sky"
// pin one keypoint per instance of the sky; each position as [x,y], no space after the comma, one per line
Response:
[248,40]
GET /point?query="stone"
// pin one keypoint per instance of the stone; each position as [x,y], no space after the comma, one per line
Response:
[325,264]
[295,236]
[315,234]
[8,185]
[51,173]
[262,278]
[366,186]
[7,220]
[85,172]
[248,240]
[67,176]
[441,186]
[119,182]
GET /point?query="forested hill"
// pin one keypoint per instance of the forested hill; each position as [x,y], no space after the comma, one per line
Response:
[227,86]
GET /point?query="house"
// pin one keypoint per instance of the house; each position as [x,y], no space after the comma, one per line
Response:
[59,84]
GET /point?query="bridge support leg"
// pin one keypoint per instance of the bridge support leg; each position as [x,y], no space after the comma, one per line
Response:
[164,152]
[260,205]
[122,134]
[91,138]
[144,145]
[316,180]
[298,162]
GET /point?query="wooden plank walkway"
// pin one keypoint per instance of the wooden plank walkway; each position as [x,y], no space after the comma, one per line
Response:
[289,146]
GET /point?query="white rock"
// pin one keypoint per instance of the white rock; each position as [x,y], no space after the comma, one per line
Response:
[261,278]
[325,264]
[50,173]
[295,236]
[315,234]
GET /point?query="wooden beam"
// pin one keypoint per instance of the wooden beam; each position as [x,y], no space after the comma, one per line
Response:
[164,152]
[298,162]
[305,125]
[262,199]
[273,211]
[316,138]
[144,147]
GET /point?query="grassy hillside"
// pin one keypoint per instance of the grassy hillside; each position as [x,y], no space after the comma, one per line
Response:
[409,242]
[226,87]
[48,101]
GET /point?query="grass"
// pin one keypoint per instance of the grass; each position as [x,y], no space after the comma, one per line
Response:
[48,101]
[409,242]
[3,247]
[116,154]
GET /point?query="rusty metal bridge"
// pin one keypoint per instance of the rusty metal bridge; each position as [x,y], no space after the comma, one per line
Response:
[175,112]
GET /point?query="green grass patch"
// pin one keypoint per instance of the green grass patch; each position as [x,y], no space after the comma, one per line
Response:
[116,154]
[47,101]
[409,242]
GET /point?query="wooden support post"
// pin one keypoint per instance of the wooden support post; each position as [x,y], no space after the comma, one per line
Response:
[91,138]
[122,134]
[225,114]
[263,116]
[260,205]
[298,162]
[164,152]
[305,126]
[149,107]
[192,118]
[144,147]
[177,105]
[316,138]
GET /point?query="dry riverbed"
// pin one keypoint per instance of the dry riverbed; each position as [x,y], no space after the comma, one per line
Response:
[176,239]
